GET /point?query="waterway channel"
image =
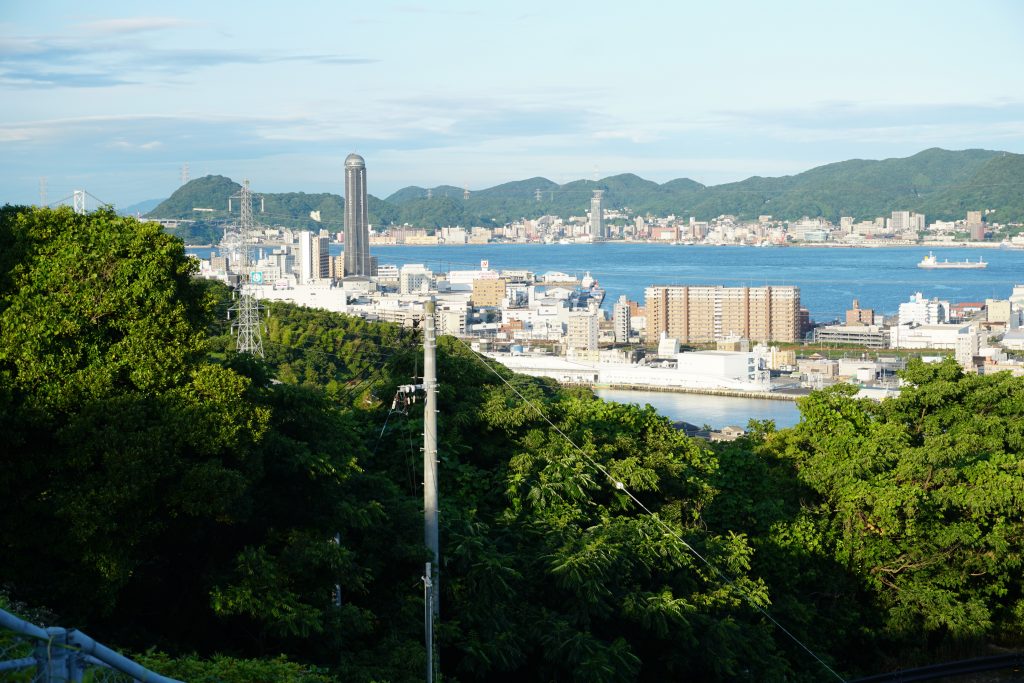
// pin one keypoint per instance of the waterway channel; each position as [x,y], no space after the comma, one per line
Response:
[715,411]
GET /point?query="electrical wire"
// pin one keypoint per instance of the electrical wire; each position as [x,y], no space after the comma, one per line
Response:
[620,486]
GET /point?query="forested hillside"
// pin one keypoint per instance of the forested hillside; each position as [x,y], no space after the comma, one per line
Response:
[942,184]
[162,491]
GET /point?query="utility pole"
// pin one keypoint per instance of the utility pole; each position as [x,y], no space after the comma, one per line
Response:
[432,582]
[405,395]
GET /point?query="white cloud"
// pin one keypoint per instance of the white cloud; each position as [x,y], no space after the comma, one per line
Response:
[134,25]
[142,147]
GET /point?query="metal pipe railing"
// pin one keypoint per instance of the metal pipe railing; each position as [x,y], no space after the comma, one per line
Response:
[63,655]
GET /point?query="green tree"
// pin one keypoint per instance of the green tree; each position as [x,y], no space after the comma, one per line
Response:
[921,496]
[155,497]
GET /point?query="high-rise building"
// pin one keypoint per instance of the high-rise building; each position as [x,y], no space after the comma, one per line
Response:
[706,314]
[597,216]
[305,256]
[975,226]
[621,314]
[357,223]
[314,259]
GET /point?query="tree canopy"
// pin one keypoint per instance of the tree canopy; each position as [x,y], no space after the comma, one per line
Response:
[163,491]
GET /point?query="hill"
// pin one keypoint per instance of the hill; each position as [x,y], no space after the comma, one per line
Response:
[139,208]
[289,209]
[940,183]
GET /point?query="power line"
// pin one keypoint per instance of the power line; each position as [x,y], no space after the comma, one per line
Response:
[620,486]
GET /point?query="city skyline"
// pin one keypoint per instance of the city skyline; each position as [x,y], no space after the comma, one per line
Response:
[115,101]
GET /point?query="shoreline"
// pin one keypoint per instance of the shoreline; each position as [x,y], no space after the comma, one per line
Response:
[732,393]
[810,245]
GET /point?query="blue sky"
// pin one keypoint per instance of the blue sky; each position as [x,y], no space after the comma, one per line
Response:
[113,97]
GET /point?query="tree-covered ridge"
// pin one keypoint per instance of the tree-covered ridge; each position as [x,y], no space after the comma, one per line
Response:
[290,209]
[161,490]
[942,184]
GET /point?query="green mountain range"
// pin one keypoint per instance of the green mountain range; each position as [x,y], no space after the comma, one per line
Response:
[942,184]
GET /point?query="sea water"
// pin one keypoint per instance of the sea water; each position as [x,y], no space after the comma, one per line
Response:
[829,279]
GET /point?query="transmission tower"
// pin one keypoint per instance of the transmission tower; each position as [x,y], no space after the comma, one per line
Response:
[465,192]
[536,194]
[79,201]
[185,177]
[42,191]
[430,194]
[246,308]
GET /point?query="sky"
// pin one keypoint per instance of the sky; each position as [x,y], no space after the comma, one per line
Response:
[115,97]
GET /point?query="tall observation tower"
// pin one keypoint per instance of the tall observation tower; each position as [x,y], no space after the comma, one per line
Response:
[357,225]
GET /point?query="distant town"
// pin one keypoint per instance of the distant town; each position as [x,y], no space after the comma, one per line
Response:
[745,341]
[901,228]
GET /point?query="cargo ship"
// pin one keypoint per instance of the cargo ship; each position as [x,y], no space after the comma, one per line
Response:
[931,262]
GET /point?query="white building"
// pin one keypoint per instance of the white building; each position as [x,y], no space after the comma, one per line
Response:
[305,256]
[450,317]
[462,280]
[968,344]
[906,221]
[697,370]
[621,320]
[414,278]
[581,331]
[921,311]
[927,336]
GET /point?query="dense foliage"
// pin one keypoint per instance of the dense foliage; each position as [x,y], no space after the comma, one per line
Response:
[942,184]
[162,491]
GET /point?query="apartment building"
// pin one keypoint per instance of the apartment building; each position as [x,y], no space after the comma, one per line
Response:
[488,291]
[703,314]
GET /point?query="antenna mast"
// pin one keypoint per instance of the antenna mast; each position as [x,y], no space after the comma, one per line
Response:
[246,309]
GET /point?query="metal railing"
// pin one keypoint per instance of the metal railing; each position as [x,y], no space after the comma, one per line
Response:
[32,654]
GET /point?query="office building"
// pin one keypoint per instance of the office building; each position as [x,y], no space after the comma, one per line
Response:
[700,315]
[357,224]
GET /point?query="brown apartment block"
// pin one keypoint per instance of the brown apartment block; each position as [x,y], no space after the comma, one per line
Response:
[859,316]
[488,292]
[698,315]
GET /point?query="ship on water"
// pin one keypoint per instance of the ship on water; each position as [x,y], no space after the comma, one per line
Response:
[931,262]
